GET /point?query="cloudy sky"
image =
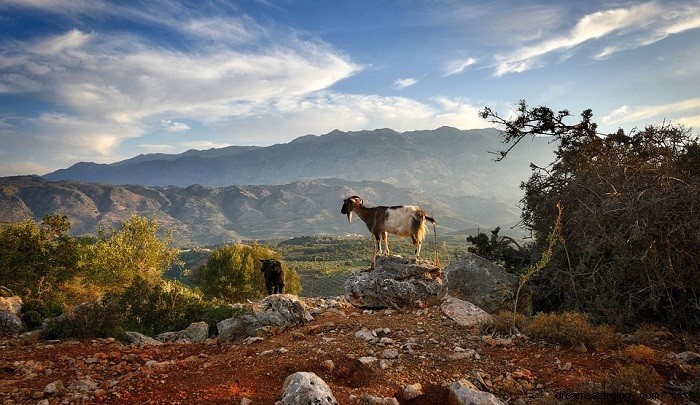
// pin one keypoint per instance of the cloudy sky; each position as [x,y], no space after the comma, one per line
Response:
[100,80]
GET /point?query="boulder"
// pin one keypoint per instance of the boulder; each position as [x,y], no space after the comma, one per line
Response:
[306,388]
[394,283]
[463,392]
[270,315]
[484,284]
[464,312]
[11,304]
[10,324]
[140,339]
[195,333]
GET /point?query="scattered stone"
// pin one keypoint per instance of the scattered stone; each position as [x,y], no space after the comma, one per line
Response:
[365,334]
[390,353]
[368,399]
[10,324]
[689,358]
[412,391]
[246,401]
[367,360]
[522,374]
[463,355]
[54,388]
[306,388]
[463,392]
[328,365]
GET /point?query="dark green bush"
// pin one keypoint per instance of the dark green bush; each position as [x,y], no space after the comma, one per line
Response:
[34,311]
[167,306]
[86,321]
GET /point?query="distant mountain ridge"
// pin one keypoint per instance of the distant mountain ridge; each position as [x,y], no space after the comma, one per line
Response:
[445,161]
[201,215]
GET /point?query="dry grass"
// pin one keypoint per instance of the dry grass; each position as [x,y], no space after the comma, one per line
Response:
[570,329]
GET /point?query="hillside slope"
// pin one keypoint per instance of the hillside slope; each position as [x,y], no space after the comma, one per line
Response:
[204,215]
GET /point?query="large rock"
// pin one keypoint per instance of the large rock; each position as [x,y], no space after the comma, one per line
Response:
[464,312]
[10,324]
[195,333]
[463,392]
[272,314]
[395,282]
[140,339]
[11,304]
[484,284]
[304,388]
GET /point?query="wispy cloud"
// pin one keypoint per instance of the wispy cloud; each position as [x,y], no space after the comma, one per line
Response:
[457,66]
[625,114]
[635,26]
[173,126]
[403,83]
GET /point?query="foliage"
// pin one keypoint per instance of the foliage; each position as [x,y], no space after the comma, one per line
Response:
[503,250]
[166,306]
[135,252]
[232,273]
[36,260]
[86,321]
[630,222]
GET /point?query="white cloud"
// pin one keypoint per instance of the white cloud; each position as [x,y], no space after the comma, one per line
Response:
[458,66]
[635,26]
[173,126]
[403,83]
[626,114]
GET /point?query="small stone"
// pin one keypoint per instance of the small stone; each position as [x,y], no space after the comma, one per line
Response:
[367,360]
[53,388]
[412,391]
[390,353]
[328,365]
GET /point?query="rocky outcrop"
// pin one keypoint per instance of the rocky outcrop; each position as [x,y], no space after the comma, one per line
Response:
[306,388]
[484,284]
[394,283]
[271,315]
[140,339]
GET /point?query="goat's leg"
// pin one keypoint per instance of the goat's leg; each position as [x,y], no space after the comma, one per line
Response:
[386,243]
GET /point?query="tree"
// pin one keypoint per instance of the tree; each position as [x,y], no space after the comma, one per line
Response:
[232,273]
[35,260]
[134,252]
[629,241]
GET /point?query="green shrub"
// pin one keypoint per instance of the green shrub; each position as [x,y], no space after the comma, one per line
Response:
[34,311]
[167,306]
[86,321]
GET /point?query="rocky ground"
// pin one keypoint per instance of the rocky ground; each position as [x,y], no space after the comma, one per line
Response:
[382,354]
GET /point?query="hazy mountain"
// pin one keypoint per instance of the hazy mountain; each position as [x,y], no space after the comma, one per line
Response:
[204,215]
[445,161]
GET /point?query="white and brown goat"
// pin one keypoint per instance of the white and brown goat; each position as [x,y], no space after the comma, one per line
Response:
[402,220]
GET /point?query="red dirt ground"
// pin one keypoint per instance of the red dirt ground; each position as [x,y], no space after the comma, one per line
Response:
[208,373]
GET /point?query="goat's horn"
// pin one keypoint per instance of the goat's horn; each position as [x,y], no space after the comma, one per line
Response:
[349,216]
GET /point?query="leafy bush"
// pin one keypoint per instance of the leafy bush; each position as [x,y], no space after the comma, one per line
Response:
[167,306]
[86,321]
[34,311]
[232,273]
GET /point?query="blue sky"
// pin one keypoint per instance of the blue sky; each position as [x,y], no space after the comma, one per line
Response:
[97,80]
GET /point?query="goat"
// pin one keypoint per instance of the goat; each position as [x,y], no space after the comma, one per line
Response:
[403,221]
[274,276]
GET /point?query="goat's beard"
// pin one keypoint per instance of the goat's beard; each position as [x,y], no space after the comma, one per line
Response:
[350,216]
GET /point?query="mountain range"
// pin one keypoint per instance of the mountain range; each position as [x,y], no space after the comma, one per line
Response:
[286,190]
[445,161]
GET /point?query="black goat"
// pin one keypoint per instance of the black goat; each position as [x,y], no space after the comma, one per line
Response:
[274,276]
